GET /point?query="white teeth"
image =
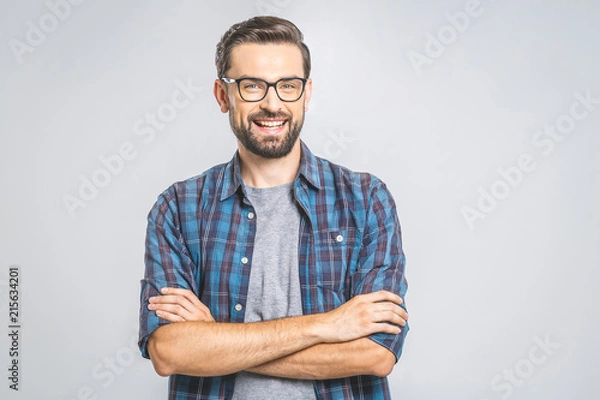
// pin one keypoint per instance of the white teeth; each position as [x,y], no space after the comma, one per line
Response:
[270,124]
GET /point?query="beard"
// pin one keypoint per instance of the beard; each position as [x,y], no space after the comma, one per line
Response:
[270,147]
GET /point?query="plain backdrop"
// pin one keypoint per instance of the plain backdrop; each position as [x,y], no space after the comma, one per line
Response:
[482,117]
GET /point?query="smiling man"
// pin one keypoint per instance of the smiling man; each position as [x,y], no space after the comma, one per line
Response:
[278,275]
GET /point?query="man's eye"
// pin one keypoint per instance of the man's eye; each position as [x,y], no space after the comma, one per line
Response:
[251,86]
[289,86]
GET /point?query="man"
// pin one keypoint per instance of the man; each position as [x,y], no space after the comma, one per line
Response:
[278,275]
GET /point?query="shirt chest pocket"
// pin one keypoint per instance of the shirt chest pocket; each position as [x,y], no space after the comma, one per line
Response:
[336,254]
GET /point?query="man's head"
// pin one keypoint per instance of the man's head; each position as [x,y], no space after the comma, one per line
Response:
[260,30]
[271,50]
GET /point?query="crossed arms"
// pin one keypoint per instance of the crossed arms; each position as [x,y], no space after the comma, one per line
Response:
[338,343]
[329,345]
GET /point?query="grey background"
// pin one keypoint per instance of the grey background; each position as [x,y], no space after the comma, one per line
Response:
[479,295]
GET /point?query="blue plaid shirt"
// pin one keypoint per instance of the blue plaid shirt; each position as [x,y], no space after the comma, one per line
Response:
[200,237]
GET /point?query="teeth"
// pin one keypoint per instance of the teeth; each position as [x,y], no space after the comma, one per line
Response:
[270,124]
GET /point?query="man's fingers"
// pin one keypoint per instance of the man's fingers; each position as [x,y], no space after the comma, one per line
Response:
[381,296]
[185,293]
[170,299]
[173,300]
[171,310]
[178,310]
[388,328]
[188,294]
[169,316]
[391,307]
[179,305]
[388,312]
[389,296]
[388,316]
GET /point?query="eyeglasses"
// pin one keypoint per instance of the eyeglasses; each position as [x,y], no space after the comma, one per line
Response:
[255,89]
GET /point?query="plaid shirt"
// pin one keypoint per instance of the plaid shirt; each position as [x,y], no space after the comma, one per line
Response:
[200,237]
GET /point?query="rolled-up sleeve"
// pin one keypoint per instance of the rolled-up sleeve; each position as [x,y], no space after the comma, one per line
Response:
[381,260]
[167,262]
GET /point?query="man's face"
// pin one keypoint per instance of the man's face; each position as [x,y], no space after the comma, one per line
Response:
[268,128]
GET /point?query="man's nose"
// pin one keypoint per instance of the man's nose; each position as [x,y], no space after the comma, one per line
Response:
[271,101]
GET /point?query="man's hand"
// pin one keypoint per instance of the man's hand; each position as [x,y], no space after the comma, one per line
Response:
[364,315]
[179,305]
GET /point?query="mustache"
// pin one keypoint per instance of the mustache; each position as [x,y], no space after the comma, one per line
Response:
[268,115]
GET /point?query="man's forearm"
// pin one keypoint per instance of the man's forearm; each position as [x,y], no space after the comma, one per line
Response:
[332,360]
[216,349]
[206,348]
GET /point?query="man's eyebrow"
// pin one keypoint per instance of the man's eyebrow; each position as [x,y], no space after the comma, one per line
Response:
[244,76]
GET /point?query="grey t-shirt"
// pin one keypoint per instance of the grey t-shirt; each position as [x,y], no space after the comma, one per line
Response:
[274,286]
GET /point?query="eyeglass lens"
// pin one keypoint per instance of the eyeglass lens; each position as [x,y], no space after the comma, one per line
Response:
[287,89]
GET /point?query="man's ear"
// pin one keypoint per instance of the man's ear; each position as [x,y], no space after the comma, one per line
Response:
[221,95]
[307,93]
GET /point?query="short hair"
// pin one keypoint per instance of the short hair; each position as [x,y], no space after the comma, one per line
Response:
[262,30]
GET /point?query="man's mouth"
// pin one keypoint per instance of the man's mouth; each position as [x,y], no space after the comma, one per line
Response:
[270,125]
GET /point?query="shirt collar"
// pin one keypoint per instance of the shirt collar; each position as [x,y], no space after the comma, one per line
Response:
[232,176]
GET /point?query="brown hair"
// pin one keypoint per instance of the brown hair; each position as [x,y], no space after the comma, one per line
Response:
[263,29]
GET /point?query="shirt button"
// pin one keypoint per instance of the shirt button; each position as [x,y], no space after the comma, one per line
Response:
[339,238]
[244,260]
[238,307]
[250,215]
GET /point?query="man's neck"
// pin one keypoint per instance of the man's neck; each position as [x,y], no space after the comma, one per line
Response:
[262,172]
